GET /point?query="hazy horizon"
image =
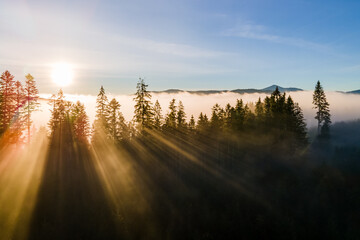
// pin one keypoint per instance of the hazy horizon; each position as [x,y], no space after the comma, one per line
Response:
[343,106]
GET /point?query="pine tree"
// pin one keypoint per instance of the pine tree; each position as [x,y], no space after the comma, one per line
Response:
[192,123]
[18,119]
[101,107]
[229,116]
[180,116]
[100,125]
[239,115]
[8,108]
[31,97]
[202,123]
[143,111]
[217,117]
[157,115]
[170,120]
[80,122]
[296,124]
[323,111]
[113,119]
[58,112]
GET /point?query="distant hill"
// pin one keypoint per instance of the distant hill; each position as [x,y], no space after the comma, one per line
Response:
[354,92]
[281,89]
[269,89]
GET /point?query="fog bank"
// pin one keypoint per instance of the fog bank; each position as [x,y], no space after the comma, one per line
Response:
[343,106]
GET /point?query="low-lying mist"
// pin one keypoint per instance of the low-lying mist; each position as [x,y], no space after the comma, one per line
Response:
[343,106]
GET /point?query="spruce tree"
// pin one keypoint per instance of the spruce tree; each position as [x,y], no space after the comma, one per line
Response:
[31,97]
[229,116]
[323,111]
[157,115]
[80,122]
[192,123]
[202,123]
[101,108]
[180,116]
[18,119]
[8,108]
[170,119]
[113,119]
[295,123]
[100,125]
[217,117]
[143,111]
[58,112]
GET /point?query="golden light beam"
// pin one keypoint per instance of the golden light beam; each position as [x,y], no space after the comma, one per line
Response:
[21,169]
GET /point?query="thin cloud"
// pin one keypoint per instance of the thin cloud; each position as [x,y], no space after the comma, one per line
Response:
[259,32]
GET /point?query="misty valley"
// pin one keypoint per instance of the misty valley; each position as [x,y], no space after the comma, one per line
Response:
[245,171]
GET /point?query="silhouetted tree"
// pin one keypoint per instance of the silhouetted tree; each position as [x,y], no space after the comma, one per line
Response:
[323,111]
[217,117]
[192,123]
[202,123]
[144,115]
[58,112]
[170,119]
[180,116]
[114,119]
[100,125]
[157,115]
[80,122]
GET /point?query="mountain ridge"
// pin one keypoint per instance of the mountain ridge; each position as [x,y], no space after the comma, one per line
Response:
[269,89]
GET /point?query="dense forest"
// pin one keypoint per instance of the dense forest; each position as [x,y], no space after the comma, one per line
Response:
[248,171]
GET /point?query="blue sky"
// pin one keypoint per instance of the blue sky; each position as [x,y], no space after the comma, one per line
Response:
[193,44]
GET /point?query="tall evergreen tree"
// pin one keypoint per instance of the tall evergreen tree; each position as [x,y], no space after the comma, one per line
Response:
[296,122]
[157,115]
[192,123]
[18,119]
[101,107]
[202,123]
[58,112]
[80,122]
[180,116]
[8,108]
[113,119]
[143,111]
[217,117]
[170,119]
[31,97]
[323,111]
[100,125]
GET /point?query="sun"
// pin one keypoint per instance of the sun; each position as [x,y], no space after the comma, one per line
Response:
[62,74]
